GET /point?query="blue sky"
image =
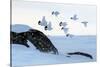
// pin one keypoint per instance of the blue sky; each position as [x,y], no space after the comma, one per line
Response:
[29,13]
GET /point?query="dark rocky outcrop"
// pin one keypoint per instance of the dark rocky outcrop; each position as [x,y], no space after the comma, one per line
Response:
[81,53]
[37,38]
[18,38]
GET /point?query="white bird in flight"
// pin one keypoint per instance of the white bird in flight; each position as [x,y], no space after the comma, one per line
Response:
[65,30]
[85,23]
[49,26]
[43,22]
[63,24]
[56,13]
[74,17]
[69,35]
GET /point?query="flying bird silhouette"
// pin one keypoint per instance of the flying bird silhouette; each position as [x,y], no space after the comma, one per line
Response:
[43,22]
[85,23]
[74,17]
[65,30]
[56,13]
[69,35]
[63,24]
[48,27]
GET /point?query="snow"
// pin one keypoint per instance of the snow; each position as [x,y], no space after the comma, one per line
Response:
[23,56]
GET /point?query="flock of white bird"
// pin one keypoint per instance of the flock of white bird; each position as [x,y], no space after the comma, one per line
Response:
[63,25]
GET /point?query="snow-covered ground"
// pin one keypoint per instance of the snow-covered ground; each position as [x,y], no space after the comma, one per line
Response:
[22,56]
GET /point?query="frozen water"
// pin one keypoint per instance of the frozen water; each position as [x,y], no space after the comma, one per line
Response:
[22,56]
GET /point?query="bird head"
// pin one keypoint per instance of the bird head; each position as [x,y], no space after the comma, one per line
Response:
[52,12]
[60,23]
[45,27]
[39,22]
[62,28]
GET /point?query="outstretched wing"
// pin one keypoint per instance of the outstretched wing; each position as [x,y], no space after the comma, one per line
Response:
[74,17]
[43,22]
[49,26]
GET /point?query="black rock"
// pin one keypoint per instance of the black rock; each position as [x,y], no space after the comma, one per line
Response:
[81,53]
[19,38]
[37,38]
[41,41]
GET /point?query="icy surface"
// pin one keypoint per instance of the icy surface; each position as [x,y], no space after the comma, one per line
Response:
[23,56]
